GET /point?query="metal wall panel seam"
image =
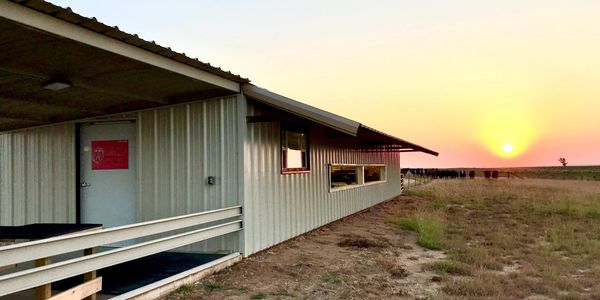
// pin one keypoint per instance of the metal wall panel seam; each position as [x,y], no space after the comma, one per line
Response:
[204,154]
[11,193]
[47,181]
[140,166]
[155,162]
[19,180]
[221,181]
[241,137]
[222,123]
[188,158]
[171,162]
[31,185]
[272,201]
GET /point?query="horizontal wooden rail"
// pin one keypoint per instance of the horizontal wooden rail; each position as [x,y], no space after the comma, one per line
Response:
[28,251]
[19,281]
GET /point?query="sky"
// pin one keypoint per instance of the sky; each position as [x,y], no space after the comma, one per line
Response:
[464,78]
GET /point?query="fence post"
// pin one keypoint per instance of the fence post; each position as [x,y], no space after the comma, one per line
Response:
[401,183]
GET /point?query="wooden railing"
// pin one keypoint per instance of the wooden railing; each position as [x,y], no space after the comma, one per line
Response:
[35,250]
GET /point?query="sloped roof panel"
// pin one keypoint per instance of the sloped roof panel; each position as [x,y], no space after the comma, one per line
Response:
[375,138]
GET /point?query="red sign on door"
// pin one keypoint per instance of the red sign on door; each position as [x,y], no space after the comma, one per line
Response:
[110,155]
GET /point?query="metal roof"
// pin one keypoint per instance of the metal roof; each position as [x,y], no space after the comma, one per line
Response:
[22,109]
[103,72]
[306,111]
[391,143]
[377,140]
[66,14]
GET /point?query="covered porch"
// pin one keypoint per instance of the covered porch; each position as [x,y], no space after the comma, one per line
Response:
[139,270]
[58,66]
[58,71]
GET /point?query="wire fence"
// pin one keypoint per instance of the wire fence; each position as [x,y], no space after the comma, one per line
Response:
[422,176]
[410,180]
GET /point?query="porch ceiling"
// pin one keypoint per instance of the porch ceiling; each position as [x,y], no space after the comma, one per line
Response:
[103,82]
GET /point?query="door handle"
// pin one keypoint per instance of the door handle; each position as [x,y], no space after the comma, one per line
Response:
[85,184]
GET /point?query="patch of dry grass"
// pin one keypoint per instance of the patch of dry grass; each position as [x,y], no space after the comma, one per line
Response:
[449,266]
[464,288]
[511,239]
[393,266]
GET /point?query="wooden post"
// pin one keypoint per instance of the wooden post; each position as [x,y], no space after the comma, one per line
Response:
[402,182]
[43,291]
[81,291]
[90,275]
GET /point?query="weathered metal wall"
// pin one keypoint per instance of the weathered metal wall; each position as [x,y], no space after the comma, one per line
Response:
[278,207]
[37,175]
[179,147]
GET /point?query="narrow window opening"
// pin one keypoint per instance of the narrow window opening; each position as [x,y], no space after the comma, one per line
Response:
[343,176]
[294,151]
[374,173]
[347,176]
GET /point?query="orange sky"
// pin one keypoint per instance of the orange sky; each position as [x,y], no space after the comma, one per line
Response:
[461,77]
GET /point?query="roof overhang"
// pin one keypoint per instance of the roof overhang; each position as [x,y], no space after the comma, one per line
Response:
[55,20]
[109,71]
[383,142]
[373,139]
[306,111]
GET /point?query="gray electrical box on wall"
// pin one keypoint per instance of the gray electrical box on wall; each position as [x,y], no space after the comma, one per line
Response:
[212,180]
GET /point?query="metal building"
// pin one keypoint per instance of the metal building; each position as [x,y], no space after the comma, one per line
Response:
[100,126]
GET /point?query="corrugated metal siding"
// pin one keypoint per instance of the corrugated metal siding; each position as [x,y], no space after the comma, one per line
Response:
[179,147]
[37,175]
[278,207]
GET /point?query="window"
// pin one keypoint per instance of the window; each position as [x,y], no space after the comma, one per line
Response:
[345,176]
[342,176]
[374,173]
[294,151]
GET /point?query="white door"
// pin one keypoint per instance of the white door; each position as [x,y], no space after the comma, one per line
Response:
[108,173]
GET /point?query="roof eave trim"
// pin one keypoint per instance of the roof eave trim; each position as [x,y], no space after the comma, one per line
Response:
[44,22]
[403,143]
[304,110]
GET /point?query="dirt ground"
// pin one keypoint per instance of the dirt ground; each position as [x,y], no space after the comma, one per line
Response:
[363,256]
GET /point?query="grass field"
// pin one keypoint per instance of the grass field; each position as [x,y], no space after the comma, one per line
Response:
[570,172]
[533,239]
[512,239]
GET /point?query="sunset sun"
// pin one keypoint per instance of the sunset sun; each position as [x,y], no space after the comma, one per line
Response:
[507,132]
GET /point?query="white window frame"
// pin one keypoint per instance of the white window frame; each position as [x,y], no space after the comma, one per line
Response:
[378,181]
[294,129]
[360,176]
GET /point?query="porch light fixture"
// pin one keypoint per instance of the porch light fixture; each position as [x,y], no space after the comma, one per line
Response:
[57,84]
